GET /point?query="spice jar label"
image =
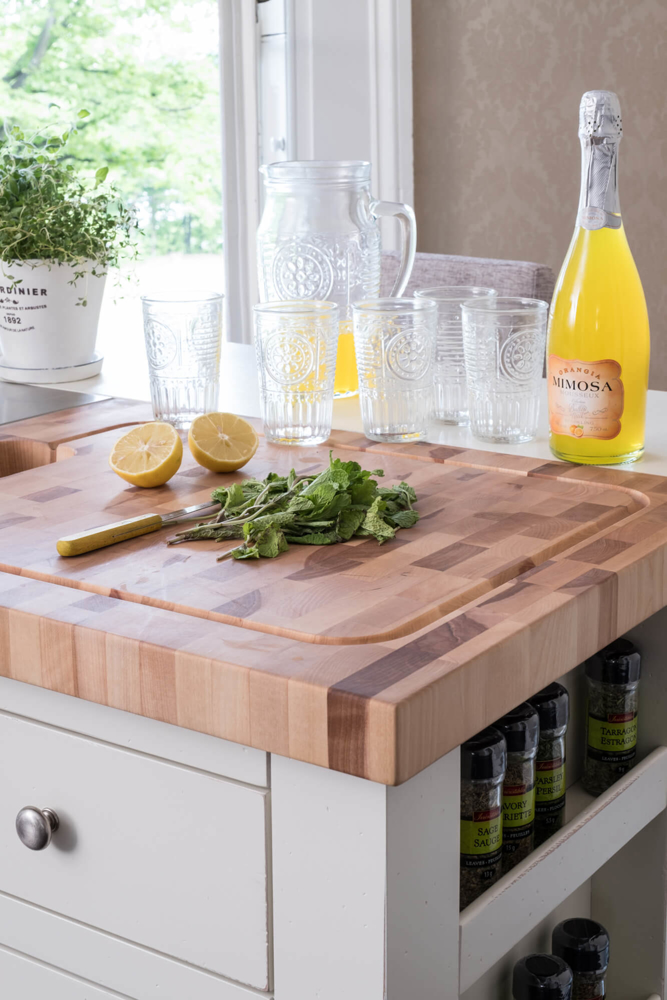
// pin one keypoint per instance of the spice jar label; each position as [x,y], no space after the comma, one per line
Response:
[612,739]
[518,808]
[549,785]
[482,836]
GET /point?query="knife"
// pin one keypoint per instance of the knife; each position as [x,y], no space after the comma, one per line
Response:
[120,531]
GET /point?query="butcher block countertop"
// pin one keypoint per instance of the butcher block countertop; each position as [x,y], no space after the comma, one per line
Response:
[373,660]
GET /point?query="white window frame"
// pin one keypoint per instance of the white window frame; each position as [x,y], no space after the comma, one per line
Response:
[359,51]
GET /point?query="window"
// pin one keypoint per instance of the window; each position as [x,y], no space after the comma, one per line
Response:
[301,79]
[148,73]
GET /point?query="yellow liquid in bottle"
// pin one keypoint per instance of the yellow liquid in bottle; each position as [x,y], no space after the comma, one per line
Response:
[346,382]
[598,314]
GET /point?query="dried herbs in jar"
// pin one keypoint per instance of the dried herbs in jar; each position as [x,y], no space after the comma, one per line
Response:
[612,682]
[542,977]
[483,761]
[521,729]
[584,945]
[553,708]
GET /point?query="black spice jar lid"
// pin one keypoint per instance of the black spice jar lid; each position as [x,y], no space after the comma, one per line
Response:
[542,977]
[521,728]
[483,756]
[553,706]
[582,943]
[618,663]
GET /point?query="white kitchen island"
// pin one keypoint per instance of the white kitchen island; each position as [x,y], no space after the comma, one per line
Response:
[187,865]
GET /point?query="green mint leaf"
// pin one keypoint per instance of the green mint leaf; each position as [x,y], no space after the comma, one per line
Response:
[364,492]
[271,542]
[299,504]
[235,496]
[374,523]
[404,518]
[101,175]
[83,113]
[244,552]
[348,522]
[314,538]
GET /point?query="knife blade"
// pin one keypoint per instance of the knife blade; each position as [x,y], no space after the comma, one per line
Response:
[120,531]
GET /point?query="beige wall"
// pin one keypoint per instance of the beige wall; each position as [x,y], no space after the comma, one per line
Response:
[497,85]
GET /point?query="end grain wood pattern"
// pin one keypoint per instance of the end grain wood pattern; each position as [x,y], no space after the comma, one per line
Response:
[518,570]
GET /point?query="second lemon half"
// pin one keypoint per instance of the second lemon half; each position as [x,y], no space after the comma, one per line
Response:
[222,442]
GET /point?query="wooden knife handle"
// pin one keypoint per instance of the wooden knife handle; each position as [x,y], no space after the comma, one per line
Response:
[108,534]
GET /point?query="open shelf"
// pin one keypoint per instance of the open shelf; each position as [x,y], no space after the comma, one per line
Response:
[596,829]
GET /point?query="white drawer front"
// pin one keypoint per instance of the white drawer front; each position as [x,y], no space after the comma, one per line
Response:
[22,977]
[161,855]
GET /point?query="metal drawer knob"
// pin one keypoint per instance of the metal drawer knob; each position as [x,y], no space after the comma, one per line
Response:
[35,827]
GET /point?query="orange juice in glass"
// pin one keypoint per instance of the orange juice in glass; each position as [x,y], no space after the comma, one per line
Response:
[346,382]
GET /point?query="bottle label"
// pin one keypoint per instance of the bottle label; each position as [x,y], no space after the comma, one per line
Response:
[518,811]
[596,218]
[586,398]
[482,838]
[613,739]
[549,786]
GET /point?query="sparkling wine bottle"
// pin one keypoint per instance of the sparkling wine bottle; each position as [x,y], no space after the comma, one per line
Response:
[598,342]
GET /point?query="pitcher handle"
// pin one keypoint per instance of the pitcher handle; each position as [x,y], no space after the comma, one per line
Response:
[406,217]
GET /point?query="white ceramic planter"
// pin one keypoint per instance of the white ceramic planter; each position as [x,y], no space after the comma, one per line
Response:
[41,325]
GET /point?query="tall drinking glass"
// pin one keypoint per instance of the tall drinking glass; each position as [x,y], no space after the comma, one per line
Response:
[504,343]
[296,359]
[394,340]
[450,389]
[183,333]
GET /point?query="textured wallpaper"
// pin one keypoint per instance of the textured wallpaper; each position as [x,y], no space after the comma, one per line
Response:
[497,85]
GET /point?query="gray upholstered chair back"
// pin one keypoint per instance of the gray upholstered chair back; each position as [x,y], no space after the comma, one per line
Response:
[508,277]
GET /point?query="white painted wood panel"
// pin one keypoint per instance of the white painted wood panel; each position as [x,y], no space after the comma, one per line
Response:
[628,897]
[328,883]
[507,911]
[21,976]
[208,753]
[119,966]
[156,853]
[423,883]
[630,891]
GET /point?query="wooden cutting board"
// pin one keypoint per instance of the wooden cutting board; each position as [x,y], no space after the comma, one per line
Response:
[518,570]
[483,522]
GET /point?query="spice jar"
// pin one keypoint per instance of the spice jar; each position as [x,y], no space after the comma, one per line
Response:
[542,977]
[612,681]
[483,761]
[584,945]
[553,708]
[521,729]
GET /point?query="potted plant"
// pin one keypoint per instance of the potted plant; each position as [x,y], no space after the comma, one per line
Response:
[59,235]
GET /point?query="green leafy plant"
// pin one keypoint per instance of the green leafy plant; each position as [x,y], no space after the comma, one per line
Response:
[340,503]
[50,213]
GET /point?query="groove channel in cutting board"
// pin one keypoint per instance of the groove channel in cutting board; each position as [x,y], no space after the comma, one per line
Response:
[486,519]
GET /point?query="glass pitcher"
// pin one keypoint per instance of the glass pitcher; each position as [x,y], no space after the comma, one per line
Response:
[319,238]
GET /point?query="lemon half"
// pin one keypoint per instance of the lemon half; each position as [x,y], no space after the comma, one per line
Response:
[222,442]
[148,455]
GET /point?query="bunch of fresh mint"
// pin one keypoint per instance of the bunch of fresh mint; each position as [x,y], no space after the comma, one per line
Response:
[340,503]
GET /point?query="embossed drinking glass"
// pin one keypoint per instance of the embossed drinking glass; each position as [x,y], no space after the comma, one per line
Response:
[394,340]
[296,359]
[504,343]
[450,389]
[183,333]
